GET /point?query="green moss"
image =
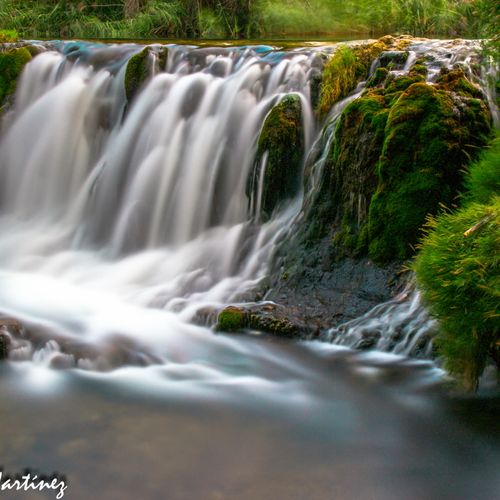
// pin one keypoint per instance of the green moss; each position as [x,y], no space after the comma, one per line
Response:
[282,141]
[378,77]
[426,145]
[458,269]
[12,63]
[339,79]
[138,71]
[8,36]
[353,177]
[483,178]
[399,153]
[232,319]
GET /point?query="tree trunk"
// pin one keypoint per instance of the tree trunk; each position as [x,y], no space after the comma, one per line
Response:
[132,7]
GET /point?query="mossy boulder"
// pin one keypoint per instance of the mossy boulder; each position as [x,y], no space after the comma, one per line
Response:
[429,137]
[280,152]
[137,73]
[232,319]
[399,153]
[12,62]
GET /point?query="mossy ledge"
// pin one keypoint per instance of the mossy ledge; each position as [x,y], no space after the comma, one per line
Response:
[350,64]
[399,154]
[260,318]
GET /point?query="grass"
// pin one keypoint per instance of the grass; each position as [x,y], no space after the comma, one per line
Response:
[236,19]
[458,270]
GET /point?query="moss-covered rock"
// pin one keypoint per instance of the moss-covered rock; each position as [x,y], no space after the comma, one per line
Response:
[137,73]
[12,63]
[399,153]
[280,152]
[232,319]
[429,137]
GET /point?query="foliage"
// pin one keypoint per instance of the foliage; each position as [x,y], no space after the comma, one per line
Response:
[244,18]
[8,36]
[458,270]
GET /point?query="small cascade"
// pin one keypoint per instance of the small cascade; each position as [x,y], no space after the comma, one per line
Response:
[400,326]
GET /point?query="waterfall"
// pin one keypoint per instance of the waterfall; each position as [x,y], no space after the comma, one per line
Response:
[120,220]
[113,210]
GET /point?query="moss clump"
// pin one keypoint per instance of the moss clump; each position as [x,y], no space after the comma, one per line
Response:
[12,63]
[232,319]
[8,36]
[282,141]
[138,71]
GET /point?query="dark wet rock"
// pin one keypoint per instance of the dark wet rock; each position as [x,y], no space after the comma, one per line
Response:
[266,317]
[4,346]
[393,59]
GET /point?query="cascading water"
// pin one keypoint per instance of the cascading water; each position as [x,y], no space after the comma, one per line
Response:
[145,207]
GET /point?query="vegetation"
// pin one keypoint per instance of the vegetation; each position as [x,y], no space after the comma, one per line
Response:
[11,64]
[399,153]
[280,152]
[7,36]
[246,18]
[458,270]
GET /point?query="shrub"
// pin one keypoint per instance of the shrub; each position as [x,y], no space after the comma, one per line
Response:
[458,270]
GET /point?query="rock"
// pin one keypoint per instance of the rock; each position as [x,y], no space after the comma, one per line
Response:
[137,73]
[4,346]
[399,154]
[280,151]
[393,59]
[232,319]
